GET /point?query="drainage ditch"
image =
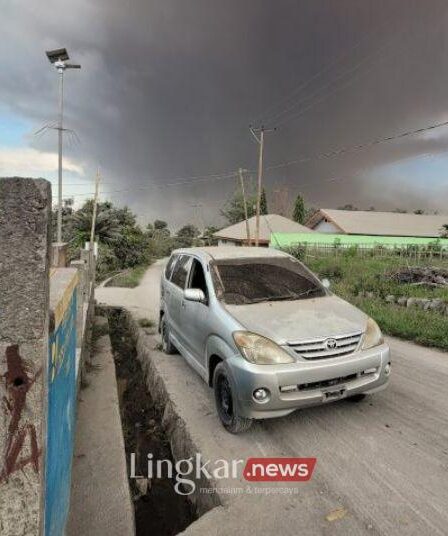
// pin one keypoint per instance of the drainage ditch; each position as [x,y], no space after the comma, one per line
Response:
[159,510]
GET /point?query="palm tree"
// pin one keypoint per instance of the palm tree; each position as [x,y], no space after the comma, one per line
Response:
[107,226]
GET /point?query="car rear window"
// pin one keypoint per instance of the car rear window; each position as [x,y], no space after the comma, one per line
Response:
[243,281]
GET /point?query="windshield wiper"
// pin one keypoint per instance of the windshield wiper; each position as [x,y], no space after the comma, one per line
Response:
[309,291]
[275,298]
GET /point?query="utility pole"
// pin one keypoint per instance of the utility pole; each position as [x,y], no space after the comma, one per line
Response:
[95,205]
[198,213]
[254,131]
[245,206]
[59,59]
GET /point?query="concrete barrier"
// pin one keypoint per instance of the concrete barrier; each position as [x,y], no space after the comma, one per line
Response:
[45,316]
[62,395]
[25,217]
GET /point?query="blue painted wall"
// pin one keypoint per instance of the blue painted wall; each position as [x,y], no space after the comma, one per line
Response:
[61,419]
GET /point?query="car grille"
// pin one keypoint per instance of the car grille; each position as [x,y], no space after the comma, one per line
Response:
[328,347]
[327,383]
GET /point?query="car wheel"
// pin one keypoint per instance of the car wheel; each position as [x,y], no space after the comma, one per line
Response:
[357,398]
[167,345]
[225,403]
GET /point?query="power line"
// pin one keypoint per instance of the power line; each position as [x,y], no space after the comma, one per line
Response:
[210,178]
[359,147]
[339,59]
[299,160]
[330,88]
[352,70]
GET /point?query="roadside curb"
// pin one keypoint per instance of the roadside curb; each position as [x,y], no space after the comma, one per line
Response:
[182,444]
[100,498]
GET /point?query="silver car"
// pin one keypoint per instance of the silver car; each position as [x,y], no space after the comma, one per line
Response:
[266,333]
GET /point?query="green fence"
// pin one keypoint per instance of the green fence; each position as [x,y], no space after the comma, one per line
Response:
[417,248]
[282,240]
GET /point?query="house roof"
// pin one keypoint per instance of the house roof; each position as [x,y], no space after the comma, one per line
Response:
[269,223]
[381,223]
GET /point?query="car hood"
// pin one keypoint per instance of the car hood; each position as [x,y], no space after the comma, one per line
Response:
[295,320]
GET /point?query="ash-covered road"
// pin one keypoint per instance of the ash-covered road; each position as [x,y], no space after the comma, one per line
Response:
[382,464]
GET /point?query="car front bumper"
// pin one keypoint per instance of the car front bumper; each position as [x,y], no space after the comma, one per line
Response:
[307,382]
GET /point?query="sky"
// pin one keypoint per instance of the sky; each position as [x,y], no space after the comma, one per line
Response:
[168,88]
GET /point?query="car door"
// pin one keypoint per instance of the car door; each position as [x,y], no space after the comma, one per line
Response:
[178,281]
[195,315]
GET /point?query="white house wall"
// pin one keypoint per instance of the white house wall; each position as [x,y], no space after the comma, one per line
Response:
[326,227]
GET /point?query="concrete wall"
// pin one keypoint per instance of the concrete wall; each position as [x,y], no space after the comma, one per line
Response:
[45,317]
[25,217]
[62,397]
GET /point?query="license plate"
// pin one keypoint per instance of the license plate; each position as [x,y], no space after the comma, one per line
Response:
[335,394]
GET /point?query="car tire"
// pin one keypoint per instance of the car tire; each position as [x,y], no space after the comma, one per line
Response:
[225,403]
[167,346]
[357,398]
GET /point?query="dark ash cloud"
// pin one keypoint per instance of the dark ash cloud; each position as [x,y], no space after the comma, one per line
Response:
[169,87]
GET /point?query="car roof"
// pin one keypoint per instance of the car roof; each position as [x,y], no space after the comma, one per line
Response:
[231,252]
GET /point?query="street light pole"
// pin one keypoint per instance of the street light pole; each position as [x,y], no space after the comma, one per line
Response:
[59,59]
[60,127]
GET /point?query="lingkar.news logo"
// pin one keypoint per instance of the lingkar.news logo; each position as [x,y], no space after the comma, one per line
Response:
[187,472]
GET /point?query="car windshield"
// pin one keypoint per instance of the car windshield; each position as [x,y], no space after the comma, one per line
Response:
[244,281]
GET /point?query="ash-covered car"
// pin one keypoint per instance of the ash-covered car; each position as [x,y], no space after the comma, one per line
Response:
[266,333]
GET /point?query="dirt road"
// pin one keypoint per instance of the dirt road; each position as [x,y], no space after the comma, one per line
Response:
[382,465]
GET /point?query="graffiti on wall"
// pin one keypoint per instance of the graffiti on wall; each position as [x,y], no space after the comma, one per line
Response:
[18,382]
[61,416]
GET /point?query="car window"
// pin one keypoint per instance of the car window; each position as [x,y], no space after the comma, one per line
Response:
[197,277]
[170,266]
[240,281]
[180,271]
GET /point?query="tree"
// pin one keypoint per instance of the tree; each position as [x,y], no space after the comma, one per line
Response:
[263,203]
[233,210]
[158,229]
[186,236]
[188,231]
[160,224]
[107,225]
[122,243]
[298,214]
[348,206]
[419,211]
[208,237]
[444,230]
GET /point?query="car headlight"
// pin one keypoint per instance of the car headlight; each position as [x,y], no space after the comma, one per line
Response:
[260,350]
[372,336]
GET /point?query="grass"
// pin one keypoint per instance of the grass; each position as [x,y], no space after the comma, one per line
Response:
[423,327]
[350,275]
[129,279]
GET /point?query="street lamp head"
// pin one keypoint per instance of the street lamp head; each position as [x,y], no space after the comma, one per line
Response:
[59,54]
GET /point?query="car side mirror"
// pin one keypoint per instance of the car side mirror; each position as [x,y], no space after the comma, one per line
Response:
[195,295]
[326,283]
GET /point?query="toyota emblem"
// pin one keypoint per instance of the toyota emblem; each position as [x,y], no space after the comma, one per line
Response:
[331,344]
